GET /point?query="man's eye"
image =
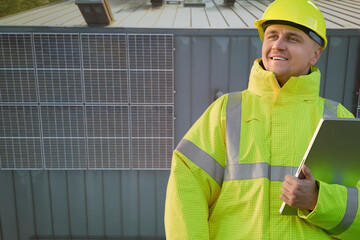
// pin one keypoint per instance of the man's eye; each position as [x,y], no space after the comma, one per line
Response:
[272,37]
[293,39]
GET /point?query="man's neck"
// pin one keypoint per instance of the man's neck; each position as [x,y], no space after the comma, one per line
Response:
[280,81]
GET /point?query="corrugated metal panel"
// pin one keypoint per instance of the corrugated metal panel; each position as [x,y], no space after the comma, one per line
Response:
[140,14]
[8,213]
[82,204]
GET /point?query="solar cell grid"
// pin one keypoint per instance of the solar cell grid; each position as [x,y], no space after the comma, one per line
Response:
[152,133]
[63,121]
[60,86]
[106,86]
[152,121]
[151,87]
[150,51]
[152,153]
[16,51]
[108,121]
[109,153]
[57,50]
[17,86]
[20,153]
[65,153]
[104,51]
[19,121]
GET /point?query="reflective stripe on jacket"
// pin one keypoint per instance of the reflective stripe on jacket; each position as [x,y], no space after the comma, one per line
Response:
[226,177]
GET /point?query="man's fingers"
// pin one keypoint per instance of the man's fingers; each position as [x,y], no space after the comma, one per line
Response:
[290,191]
[287,186]
[284,191]
[290,179]
[289,198]
[284,198]
[307,172]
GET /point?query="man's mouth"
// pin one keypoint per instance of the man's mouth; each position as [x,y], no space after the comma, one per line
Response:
[278,58]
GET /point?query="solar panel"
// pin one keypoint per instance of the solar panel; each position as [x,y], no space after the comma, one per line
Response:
[152,52]
[151,84]
[17,85]
[20,137]
[16,50]
[20,153]
[65,153]
[104,51]
[108,137]
[152,87]
[86,101]
[152,132]
[60,86]
[55,50]
[106,86]
[150,153]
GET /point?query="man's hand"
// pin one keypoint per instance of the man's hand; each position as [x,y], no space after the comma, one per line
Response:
[300,193]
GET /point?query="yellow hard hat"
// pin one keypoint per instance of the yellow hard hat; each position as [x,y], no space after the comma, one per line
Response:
[303,14]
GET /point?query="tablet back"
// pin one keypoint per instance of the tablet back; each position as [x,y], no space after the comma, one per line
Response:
[333,154]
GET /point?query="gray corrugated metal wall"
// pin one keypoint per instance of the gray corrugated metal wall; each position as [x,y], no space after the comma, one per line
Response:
[82,204]
[131,203]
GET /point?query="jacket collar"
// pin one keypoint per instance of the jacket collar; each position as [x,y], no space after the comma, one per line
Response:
[263,83]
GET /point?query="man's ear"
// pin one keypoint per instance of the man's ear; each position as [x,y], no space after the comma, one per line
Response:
[316,54]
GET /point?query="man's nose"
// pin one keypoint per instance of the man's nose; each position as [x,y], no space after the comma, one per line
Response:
[279,44]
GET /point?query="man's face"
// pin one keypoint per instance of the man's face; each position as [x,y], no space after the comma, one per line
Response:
[288,51]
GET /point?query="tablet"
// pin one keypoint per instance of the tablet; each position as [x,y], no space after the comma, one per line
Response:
[333,154]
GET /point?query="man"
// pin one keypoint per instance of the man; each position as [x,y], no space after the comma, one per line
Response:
[232,170]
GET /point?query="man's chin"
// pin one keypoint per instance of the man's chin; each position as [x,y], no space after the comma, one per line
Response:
[278,74]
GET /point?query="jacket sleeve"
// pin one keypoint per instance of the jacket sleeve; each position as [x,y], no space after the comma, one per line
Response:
[195,177]
[337,210]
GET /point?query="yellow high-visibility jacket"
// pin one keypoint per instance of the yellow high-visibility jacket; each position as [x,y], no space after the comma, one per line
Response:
[226,177]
